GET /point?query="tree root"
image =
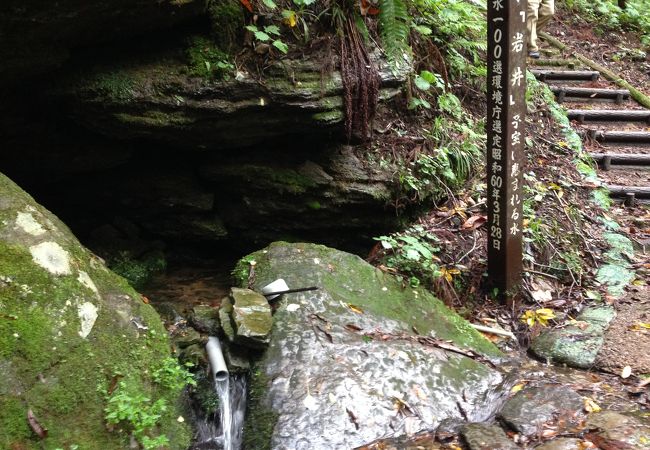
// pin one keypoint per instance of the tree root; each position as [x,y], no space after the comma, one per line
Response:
[361,83]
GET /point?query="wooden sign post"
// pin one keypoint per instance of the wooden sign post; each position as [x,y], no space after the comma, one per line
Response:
[506,90]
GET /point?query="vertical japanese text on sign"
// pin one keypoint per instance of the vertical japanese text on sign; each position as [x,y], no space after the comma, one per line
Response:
[505,140]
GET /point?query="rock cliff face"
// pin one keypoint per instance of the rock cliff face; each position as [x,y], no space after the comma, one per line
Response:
[159,100]
[137,133]
[345,367]
[69,330]
[38,36]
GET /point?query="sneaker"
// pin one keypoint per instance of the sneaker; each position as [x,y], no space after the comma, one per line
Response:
[534,55]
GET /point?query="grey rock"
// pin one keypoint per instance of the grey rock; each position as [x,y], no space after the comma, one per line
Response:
[194,354]
[562,444]
[225,319]
[321,384]
[237,359]
[205,319]
[575,346]
[155,98]
[533,407]
[187,336]
[483,436]
[251,316]
[620,431]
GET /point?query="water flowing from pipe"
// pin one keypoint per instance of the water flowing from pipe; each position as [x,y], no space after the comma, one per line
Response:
[226,431]
[225,411]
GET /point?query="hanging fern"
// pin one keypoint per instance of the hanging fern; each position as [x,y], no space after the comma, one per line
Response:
[394,25]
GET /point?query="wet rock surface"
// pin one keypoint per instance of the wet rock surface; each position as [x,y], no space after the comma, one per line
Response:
[480,436]
[576,345]
[326,384]
[595,390]
[564,444]
[251,317]
[614,430]
[534,408]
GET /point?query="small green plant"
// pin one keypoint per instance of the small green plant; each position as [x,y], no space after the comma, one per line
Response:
[454,154]
[138,414]
[264,35]
[412,253]
[460,32]
[172,375]
[394,27]
[424,82]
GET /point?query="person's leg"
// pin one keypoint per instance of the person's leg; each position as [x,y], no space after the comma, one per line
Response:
[546,11]
[532,14]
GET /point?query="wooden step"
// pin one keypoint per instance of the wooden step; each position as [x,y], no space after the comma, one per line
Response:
[624,159]
[561,92]
[608,115]
[567,75]
[555,62]
[630,137]
[624,191]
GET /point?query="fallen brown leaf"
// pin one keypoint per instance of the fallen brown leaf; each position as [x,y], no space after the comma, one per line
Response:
[36,427]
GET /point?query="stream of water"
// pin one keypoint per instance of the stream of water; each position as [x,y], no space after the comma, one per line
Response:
[226,431]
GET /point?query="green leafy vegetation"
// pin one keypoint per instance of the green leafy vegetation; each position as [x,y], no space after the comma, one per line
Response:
[394,22]
[610,16]
[459,29]
[172,375]
[264,35]
[457,149]
[137,271]
[136,412]
[412,253]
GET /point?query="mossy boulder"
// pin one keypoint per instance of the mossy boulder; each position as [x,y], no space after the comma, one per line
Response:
[72,335]
[576,345]
[344,360]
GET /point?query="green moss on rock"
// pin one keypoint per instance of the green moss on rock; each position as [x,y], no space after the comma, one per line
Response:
[155,118]
[280,179]
[261,419]
[206,59]
[68,326]
[329,117]
[227,17]
[353,281]
[116,86]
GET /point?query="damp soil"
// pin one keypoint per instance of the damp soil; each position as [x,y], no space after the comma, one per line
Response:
[627,342]
[612,49]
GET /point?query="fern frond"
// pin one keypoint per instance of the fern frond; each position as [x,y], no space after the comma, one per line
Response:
[394,26]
